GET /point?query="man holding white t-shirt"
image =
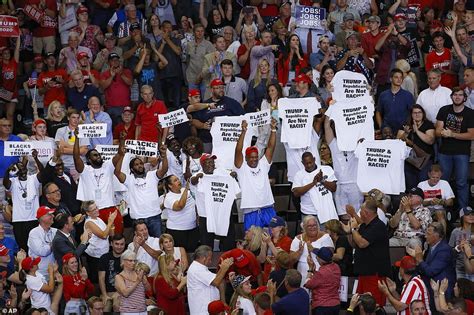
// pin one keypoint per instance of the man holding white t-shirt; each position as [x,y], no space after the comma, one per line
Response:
[96,182]
[143,199]
[315,186]
[257,198]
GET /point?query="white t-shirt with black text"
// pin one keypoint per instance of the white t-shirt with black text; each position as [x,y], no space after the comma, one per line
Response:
[184,219]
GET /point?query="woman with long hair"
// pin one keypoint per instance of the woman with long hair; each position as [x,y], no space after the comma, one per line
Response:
[258,86]
[169,285]
[168,248]
[325,87]
[193,148]
[342,249]
[459,234]
[39,135]
[291,61]
[77,286]
[409,77]
[242,297]
[90,35]
[274,93]
[181,209]
[153,26]
[216,20]
[131,285]
[249,16]
[55,118]
[419,134]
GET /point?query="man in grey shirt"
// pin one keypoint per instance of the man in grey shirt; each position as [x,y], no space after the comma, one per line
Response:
[235,87]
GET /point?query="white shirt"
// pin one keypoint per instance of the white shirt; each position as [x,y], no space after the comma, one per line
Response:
[442,190]
[246,305]
[318,200]
[433,100]
[38,298]
[24,208]
[255,185]
[67,135]
[143,199]
[175,165]
[324,241]
[293,156]
[143,256]
[97,184]
[184,219]
[344,163]
[200,195]
[97,246]
[200,290]
[39,245]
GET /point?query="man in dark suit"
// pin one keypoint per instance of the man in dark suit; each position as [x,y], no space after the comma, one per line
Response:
[63,242]
[437,262]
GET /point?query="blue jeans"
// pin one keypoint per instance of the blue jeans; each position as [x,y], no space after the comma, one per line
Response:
[154,225]
[115,113]
[460,165]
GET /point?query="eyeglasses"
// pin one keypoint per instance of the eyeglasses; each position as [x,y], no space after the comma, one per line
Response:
[131,260]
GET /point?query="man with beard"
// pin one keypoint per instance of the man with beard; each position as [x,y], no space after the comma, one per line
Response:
[96,182]
[223,106]
[209,170]
[143,196]
[24,189]
[455,127]
[257,198]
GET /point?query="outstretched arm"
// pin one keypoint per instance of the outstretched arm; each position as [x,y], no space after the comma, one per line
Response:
[271,141]
[120,155]
[78,163]
[238,157]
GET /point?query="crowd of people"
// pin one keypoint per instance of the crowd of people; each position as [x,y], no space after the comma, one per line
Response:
[93,226]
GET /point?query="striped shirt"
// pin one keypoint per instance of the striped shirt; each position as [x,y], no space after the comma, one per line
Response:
[415,289]
[135,302]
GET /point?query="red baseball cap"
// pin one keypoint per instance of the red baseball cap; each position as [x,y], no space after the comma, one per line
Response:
[39,121]
[217,82]
[127,109]
[43,210]
[206,156]
[67,256]
[436,24]
[38,58]
[400,16]
[28,263]
[240,259]
[260,289]
[216,307]
[250,150]
[303,77]
[407,262]
[3,250]
[194,92]
[81,55]
[82,9]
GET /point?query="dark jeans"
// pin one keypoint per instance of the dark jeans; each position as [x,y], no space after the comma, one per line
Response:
[459,164]
[188,239]
[21,231]
[115,114]
[154,225]
[172,90]
[413,176]
[226,242]
[326,310]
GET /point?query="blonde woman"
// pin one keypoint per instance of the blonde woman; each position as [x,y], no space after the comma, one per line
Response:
[258,86]
[169,286]
[56,118]
[168,248]
[242,297]
[253,239]
[409,78]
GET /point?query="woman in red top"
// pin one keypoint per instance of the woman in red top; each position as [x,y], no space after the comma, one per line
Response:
[291,61]
[8,86]
[277,240]
[76,287]
[169,286]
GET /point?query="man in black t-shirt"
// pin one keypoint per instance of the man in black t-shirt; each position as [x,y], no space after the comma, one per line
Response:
[455,127]
[371,256]
[109,267]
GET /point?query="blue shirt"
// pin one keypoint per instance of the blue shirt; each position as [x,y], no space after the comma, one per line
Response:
[78,100]
[6,161]
[316,58]
[101,117]
[395,108]
[296,302]
[13,248]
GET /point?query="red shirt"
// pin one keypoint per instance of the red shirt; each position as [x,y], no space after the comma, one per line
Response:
[9,71]
[369,41]
[118,92]
[44,31]
[268,9]
[75,287]
[130,131]
[284,243]
[245,70]
[443,61]
[252,269]
[57,92]
[168,298]
[147,118]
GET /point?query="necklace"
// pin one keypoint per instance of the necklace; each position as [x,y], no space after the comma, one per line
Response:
[23,189]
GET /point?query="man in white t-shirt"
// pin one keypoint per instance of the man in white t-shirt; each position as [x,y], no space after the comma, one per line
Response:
[435,96]
[146,247]
[40,239]
[203,285]
[209,172]
[438,195]
[345,169]
[96,182]
[257,198]
[315,186]
[143,199]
